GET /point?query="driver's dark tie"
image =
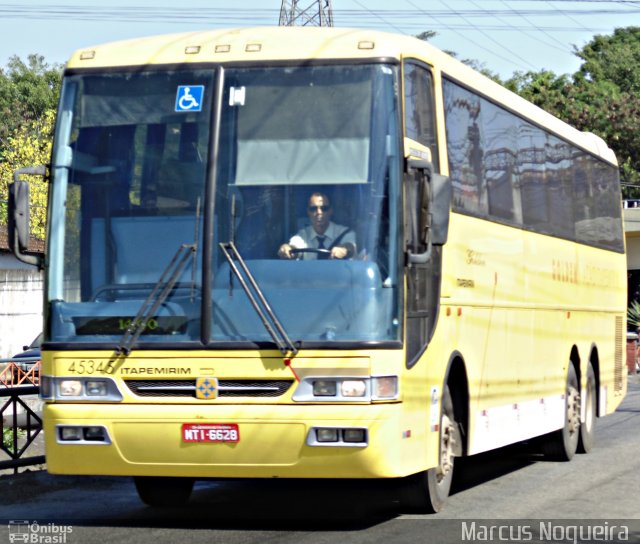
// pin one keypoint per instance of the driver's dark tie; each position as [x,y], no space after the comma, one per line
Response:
[321,246]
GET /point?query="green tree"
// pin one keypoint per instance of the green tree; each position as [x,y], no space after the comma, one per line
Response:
[27,90]
[603,97]
[28,98]
[613,59]
[29,145]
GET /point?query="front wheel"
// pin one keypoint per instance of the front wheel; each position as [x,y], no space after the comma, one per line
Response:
[427,492]
[163,491]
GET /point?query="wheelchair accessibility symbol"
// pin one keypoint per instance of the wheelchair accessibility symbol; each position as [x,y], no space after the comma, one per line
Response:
[189,97]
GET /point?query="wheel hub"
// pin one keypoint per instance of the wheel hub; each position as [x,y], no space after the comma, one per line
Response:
[573,410]
[447,447]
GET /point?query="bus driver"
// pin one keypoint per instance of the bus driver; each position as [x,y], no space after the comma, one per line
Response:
[337,241]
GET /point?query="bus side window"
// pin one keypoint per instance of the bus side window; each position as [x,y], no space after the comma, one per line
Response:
[419,108]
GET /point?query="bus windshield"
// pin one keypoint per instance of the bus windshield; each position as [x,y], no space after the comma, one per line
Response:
[137,177]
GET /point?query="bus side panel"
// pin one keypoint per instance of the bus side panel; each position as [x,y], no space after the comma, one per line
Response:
[518,302]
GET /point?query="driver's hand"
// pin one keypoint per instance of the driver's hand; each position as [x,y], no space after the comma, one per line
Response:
[285,252]
[339,252]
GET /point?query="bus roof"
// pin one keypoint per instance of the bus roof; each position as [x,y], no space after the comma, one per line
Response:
[259,44]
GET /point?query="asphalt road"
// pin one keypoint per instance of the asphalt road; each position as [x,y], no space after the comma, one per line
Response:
[509,488]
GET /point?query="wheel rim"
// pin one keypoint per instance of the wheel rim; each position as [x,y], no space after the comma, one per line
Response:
[573,411]
[447,443]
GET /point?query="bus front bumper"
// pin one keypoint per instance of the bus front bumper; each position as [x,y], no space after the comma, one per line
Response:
[272,441]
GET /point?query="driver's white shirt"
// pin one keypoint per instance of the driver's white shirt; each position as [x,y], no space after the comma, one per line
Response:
[308,238]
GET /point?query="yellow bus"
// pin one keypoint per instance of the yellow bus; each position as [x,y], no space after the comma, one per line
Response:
[318,253]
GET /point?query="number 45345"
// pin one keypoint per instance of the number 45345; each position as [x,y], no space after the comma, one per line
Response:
[89,366]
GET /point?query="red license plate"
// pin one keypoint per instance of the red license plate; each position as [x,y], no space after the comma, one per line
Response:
[210,432]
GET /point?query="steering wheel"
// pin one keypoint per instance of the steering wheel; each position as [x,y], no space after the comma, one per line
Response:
[297,250]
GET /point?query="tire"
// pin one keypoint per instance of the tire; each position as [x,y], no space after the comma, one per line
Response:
[588,426]
[561,445]
[427,492]
[163,491]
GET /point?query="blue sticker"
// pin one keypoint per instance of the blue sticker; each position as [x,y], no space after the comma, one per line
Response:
[189,97]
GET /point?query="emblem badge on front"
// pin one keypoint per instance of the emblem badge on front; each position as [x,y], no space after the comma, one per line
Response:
[206,388]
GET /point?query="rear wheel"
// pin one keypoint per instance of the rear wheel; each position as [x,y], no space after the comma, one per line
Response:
[163,491]
[588,426]
[561,445]
[427,492]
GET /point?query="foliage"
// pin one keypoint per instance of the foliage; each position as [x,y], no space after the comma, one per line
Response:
[29,145]
[27,90]
[426,35]
[7,437]
[28,98]
[633,313]
[613,59]
[603,97]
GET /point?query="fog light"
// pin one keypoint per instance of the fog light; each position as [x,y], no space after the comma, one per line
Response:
[354,435]
[96,388]
[95,434]
[386,387]
[70,434]
[324,388]
[353,388]
[327,435]
[70,388]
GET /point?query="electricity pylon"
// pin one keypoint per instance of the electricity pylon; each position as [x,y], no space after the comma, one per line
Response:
[317,13]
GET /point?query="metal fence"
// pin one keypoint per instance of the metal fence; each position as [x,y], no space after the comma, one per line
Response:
[23,371]
[20,424]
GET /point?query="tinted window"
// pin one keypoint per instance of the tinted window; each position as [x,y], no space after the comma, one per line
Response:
[465,146]
[420,120]
[507,169]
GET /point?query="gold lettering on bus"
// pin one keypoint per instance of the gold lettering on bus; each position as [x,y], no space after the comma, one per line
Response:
[598,276]
[592,276]
[475,257]
[565,271]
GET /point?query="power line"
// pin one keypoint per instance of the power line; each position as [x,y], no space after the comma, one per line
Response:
[356,17]
[492,39]
[379,17]
[464,36]
[542,31]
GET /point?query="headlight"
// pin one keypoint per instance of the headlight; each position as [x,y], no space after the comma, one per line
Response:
[96,388]
[346,389]
[79,389]
[325,388]
[353,388]
[70,388]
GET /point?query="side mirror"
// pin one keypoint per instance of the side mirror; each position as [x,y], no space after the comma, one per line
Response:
[441,196]
[432,204]
[19,215]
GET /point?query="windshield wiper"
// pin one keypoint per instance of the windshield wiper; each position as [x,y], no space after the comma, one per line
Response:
[158,295]
[269,319]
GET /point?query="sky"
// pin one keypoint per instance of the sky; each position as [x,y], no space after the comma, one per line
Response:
[504,36]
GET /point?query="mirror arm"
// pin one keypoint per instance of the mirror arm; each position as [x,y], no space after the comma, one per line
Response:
[34,260]
[33,170]
[421,258]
